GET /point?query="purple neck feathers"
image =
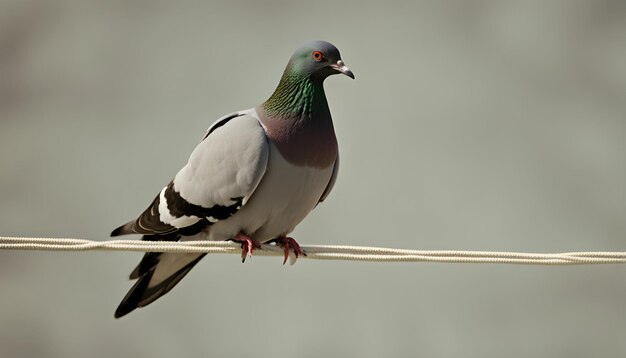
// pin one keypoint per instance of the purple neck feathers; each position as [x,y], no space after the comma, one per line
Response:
[298,121]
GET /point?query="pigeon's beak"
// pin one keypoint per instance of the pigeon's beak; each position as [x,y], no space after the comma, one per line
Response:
[342,68]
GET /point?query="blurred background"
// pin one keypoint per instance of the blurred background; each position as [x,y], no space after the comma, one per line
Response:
[475,125]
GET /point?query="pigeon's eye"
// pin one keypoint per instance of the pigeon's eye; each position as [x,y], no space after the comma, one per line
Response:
[318,56]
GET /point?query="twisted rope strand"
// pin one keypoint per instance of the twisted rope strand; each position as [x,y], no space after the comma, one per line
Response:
[319,252]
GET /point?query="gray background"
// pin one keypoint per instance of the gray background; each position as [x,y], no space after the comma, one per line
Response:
[478,125]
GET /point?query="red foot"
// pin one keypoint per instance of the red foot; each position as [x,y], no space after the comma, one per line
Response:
[248,244]
[286,243]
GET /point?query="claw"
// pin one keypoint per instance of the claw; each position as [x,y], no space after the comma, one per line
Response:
[286,243]
[248,245]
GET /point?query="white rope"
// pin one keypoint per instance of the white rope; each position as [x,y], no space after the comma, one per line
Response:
[319,252]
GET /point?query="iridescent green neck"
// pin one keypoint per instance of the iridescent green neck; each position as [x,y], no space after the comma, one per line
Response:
[297,96]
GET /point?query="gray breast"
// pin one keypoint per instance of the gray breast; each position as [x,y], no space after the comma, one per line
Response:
[285,195]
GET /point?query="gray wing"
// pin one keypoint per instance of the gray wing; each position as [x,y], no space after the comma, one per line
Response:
[331,183]
[222,173]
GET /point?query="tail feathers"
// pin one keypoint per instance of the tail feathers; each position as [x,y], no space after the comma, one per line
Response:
[157,280]
[151,259]
[148,262]
[157,273]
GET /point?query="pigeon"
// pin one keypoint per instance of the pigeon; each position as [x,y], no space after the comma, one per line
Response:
[255,175]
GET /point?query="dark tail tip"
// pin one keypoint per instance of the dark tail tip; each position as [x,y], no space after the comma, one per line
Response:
[121,312]
[141,295]
[134,296]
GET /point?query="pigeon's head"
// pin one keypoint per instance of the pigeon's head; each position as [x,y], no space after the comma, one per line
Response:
[318,60]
